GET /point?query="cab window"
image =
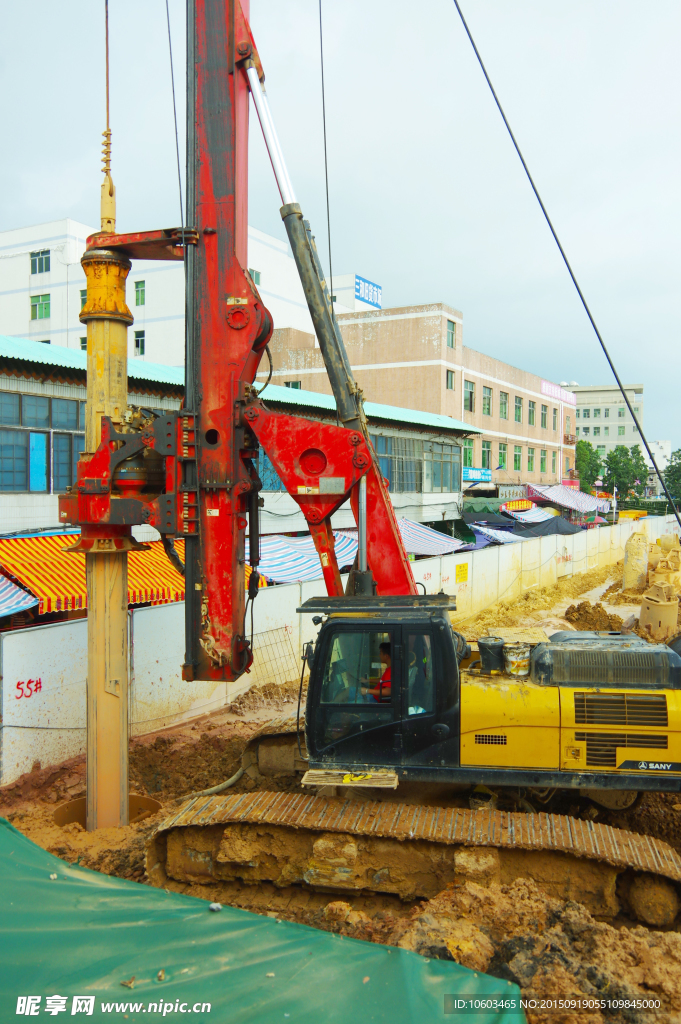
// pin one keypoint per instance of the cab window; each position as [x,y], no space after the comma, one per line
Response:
[420,683]
[358,669]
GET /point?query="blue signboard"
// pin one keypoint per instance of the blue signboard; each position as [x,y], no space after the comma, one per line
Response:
[368,292]
[475,475]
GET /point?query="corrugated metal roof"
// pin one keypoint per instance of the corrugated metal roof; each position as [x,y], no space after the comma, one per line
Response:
[75,359]
[139,369]
[374,410]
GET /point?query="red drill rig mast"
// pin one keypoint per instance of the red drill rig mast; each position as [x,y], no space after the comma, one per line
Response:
[210,448]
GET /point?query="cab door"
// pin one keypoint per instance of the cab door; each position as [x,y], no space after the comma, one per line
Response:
[430,699]
[346,724]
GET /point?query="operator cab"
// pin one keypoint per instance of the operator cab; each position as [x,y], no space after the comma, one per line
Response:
[384,682]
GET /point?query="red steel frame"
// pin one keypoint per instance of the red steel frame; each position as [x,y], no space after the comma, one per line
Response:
[210,447]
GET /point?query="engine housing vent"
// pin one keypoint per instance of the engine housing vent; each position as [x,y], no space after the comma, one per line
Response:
[490,739]
[642,709]
[601,747]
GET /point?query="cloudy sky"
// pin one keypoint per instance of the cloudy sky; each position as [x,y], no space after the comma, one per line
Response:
[427,196]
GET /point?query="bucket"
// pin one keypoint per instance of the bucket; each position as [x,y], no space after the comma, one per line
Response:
[517,659]
[491,650]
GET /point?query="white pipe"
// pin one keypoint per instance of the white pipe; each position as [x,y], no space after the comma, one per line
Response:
[362,525]
[271,138]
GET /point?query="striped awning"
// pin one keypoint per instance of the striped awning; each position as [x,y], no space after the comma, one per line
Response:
[419,539]
[295,559]
[567,497]
[498,536]
[57,577]
[13,599]
[531,515]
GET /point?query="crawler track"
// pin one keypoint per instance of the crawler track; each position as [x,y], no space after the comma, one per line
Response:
[440,825]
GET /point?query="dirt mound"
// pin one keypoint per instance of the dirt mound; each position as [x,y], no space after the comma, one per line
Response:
[171,766]
[549,947]
[522,610]
[113,851]
[592,616]
[615,595]
[270,695]
[64,781]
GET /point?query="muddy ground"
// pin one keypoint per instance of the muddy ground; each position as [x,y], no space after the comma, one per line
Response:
[549,947]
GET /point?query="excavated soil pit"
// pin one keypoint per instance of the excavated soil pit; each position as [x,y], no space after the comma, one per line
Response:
[139,807]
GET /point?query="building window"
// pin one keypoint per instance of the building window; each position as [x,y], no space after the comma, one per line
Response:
[503,405]
[83,344]
[255,276]
[568,424]
[486,401]
[597,431]
[469,396]
[531,409]
[441,464]
[13,460]
[544,416]
[140,293]
[597,413]
[586,431]
[585,414]
[636,409]
[576,414]
[542,460]
[295,384]
[567,464]
[66,449]
[577,431]
[451,334]
[600,448]
[40,307]
[64,414]
[517,458]
[486,454]
[450,380]
[620,414]
[83,297]
[606,414]
[139,343]
[468,453]
[61,461]
[555,419]
[40,261]
[502,455]
[518,409]
[606,431]
[620,431]
[554,455]
[35,411]
[9,408]
[37,462]
[530,460]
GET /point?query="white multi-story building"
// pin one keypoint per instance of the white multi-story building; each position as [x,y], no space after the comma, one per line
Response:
[662,453]
[42,290]
[603,418]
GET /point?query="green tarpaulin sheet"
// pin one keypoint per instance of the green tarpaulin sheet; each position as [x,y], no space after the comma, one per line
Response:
[67,943]
[482,504]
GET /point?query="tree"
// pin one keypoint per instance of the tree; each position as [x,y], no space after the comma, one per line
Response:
[672,474]
[641,467]
[626,469]
[587,464]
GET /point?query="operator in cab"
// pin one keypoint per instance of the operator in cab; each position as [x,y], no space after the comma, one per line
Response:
[382,691]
